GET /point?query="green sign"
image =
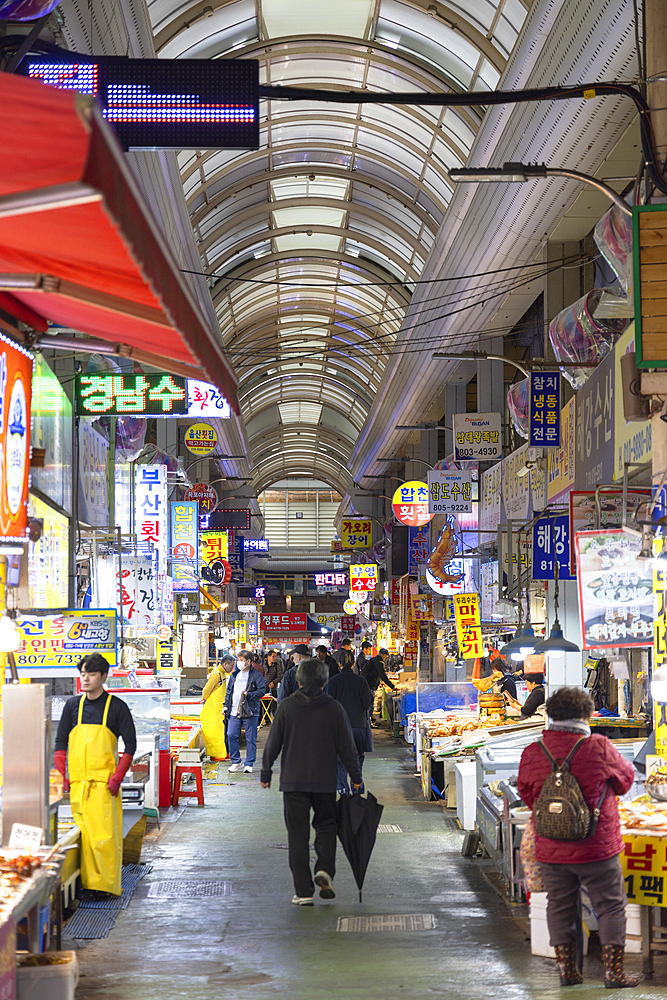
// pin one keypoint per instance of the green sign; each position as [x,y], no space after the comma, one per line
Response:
[159,394]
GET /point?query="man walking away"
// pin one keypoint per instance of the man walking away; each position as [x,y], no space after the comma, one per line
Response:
[354,694]
[361,661]
[288,685]
[312,731]
[325,656]
[345,656]
[375,674]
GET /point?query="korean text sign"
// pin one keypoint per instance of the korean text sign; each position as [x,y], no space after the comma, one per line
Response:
[544,410]
[477,436]
[615,590]
[363,577]
[551,536]
[289,623]
[185,543]
[468,625]
[644,863]
[214,546]
[356,533]
[60,641]
[449,492]
[410,503]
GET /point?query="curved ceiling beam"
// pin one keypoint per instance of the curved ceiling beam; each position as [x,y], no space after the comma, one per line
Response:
[366,399]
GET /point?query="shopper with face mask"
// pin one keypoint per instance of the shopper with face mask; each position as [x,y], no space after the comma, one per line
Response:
[245,687]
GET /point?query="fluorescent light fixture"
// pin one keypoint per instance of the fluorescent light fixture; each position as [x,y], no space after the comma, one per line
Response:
[11,550]
[517,173]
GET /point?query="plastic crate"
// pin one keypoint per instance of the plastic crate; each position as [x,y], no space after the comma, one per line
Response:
[47,982]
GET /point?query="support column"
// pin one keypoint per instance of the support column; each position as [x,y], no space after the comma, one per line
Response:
[455,402]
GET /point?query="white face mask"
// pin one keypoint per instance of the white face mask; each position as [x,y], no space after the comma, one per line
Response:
[242,664]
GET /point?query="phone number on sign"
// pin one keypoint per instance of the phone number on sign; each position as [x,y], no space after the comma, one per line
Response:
[42,659]
[491,452]
[448,508]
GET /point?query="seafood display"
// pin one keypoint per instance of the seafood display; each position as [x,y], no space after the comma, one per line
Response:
[644,816]
[17,871]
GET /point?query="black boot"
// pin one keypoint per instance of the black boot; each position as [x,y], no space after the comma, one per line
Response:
[614,976]
[566,957]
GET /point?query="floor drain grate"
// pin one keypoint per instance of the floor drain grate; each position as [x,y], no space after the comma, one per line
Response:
[389,828]
[389,922]
[189,890]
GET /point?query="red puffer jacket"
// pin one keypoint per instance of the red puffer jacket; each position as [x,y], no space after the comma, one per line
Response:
[596,761]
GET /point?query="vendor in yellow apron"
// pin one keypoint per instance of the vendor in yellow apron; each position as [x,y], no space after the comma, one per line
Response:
[92,760]
[212,718]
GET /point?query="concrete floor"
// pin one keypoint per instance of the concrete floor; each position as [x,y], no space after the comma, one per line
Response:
[255,944]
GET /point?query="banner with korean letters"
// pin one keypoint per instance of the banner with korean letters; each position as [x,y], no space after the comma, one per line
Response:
[449,491]
[185,544]
[468,625]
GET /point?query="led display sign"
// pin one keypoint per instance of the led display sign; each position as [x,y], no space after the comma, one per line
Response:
[159,394]
[226,518]
[164,103]
[255,544]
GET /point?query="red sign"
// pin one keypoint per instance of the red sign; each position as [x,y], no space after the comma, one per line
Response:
[287,623]
[228,573]
[395,592]
[410,504]
[348,624]
[15,399]
[204,495]
[363,577]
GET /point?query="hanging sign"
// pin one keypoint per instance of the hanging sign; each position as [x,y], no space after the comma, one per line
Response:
[644,862]
[583,513]
[410,503]
[363,577]
[615,589]
[151,521]
[241,630]
[201,439]
[419,547]
[350,607]
[560,461]
[185,543]
[449,491]
[356,533]
[477,436]
[236,559]
[289,623]
[15,400]
[255,544]
[468,625]
[551,536]
[203,494]
[421,607]
[544,398]
[214,545]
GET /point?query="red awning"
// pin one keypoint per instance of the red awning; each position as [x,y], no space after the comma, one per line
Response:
[78,245]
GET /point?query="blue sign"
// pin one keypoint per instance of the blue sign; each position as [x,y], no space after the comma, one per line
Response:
[551,535]
[255,545]
[544,410]
[419,546]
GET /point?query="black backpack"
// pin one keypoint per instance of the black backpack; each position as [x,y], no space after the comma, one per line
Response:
[561,811]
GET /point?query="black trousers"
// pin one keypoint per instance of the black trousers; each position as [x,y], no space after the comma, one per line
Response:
[605,885]
[297,807]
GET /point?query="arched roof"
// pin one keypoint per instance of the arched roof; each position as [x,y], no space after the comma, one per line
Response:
[314,240]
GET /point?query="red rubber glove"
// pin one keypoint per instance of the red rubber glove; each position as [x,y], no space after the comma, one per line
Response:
[60,764]
[115,781]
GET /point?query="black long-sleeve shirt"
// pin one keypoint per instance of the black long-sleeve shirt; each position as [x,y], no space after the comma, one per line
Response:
[353,693]
[119,720]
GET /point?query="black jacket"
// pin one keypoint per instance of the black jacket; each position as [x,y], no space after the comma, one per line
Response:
[360,664]
[375,673]
[254,690]
[332,665]
[353,693]
[312,733]
[274,672]
[288,684]
[344,658]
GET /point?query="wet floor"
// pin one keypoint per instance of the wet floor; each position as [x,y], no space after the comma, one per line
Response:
[252,942]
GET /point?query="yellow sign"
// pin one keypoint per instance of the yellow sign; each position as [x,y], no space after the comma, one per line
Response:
[214,545]
[412,631]
[201,439]
[62,640]
[632,439]
[560,461]
[356,533]
[468,625]
[421,607]
[644,863]
[350,607]
[363,577]
[241,631]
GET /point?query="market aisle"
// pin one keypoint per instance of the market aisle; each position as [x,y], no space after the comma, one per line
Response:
[255,943]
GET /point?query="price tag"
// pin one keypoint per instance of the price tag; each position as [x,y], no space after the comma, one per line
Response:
[25,837]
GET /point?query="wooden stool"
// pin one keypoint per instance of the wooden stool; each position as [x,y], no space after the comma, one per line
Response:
[182,769]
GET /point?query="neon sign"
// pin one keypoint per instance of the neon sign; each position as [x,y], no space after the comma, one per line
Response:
[164,103]
[159,394]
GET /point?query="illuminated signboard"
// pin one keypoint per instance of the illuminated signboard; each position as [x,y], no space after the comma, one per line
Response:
[159,394]
[331,579]
[225,518]
[164,103]
[255,545]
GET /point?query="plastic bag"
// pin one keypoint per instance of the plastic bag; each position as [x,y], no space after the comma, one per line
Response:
[517,401]
[576,334]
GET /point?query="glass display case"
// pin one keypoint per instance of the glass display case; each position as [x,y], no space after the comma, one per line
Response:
[151,711]
[449,697]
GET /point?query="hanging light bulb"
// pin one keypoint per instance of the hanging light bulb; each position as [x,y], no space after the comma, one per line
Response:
[513,645]
[527,641]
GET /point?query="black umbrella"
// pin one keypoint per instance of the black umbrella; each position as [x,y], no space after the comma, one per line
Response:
[358,821]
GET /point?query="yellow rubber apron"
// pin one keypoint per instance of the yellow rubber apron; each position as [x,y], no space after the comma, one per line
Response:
[92,759]
[212,720]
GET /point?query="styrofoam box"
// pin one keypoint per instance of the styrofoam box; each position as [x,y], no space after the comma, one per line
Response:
[539,932]
[633,939]
[48,982]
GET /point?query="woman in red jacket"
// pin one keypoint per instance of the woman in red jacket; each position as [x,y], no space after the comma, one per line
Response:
[594,862]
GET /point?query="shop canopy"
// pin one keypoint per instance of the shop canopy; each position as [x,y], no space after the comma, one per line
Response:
[78,245]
